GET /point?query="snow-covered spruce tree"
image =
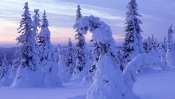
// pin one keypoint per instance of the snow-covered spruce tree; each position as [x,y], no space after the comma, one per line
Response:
[4,67]
[108,82]
[170,42]
[133,39]
[62,68]
[150,45]
[80,49]
[156,55]
[145,45]
[152,50]
[5,72]
[70,62]
[162,58]
[154,44]
[120,57]
[15,64]
[29,72]
[170,48]
[47,55]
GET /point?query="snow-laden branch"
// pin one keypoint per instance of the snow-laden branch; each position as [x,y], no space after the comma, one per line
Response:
[138,63]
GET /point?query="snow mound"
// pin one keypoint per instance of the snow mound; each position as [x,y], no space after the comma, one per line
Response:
[28,78]
[109,79]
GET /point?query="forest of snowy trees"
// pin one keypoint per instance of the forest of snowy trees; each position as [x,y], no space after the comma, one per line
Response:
[37,63]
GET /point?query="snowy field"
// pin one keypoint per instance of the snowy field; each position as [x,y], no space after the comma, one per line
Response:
[150,85]
[156,85]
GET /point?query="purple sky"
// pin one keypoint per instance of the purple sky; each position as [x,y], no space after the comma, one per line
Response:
[157,16]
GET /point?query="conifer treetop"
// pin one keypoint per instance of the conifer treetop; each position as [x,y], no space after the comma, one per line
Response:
[78,14]
[70,42]
[132,8]
[44,20]
[25,25]
[170,43]
[36,19]
[170,30]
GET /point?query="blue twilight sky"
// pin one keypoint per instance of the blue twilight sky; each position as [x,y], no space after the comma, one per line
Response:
[157,16]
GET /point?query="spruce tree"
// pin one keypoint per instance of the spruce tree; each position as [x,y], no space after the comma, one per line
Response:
[5,79]
[5,67]
[80,46]
[170,43]
[71,57]
[150,45]
[154,43]
[62,68]
[28,54]
[133,39]
[27,41]
[43,38]
[162,53]
[47,55]
[170,55]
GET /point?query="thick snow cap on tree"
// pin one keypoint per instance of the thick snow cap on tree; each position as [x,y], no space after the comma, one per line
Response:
[52,78]
[129,72]
[139,62]
[27,78]
[101,32]
[108,82]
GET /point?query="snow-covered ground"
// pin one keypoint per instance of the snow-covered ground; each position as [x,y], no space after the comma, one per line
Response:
[69,90]
[150,85]
[156,85]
